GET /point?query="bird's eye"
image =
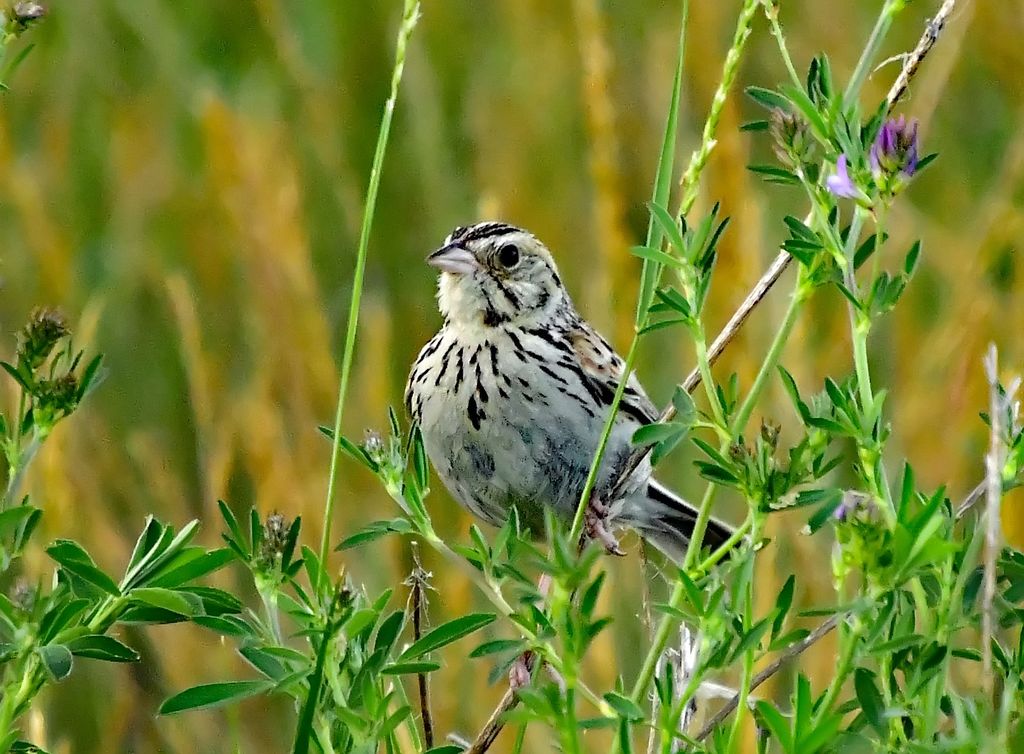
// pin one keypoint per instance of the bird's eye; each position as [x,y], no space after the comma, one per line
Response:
[508,255]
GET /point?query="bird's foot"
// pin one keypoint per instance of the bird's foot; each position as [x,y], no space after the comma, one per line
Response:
[520,673]
[596,526]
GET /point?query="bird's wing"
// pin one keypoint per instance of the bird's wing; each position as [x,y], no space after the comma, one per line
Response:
[602,369]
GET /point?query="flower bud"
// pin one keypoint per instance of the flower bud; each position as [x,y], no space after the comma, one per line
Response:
[894,153]
[770,433]
[54,399]
[274,541]
[38,338]
[793,144]
[373,444]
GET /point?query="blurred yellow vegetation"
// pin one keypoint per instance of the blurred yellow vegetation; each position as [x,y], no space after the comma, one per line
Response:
[185,180]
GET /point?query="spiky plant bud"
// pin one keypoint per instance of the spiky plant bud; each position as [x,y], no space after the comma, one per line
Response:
[38,338]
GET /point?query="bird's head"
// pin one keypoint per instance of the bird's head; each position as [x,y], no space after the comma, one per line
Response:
[494,274]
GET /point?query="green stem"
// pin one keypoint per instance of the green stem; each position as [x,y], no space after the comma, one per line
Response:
[661,637]
[771,359]
[700,346]
[409,17]
[667,623]
[517,745]
[25,457]
[487,588]
[874,43]
[609,424]
[771,12]
[800,294]
[700,526]
[714,558]
[748,657]
[860,329]
[570,733]
[847,653]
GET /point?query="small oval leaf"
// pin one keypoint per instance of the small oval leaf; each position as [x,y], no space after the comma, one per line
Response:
[212,695]
[446,634]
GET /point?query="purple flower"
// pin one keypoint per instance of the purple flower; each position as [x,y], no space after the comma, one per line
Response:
[854,505]
[894,153]
[840,183]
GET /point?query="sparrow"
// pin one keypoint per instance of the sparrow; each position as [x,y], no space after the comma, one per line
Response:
[512,393]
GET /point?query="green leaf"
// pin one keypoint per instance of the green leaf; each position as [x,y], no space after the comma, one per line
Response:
[624,707]
[801,231]
[869,246]
[751,638]
[445,749]
[686,411]
[773,720]
[388,632]
[669,226]
[228,625]
[178,602]
[913,256]
[102,647]
[803,103]
[151,534]
[60,617]
[662,191]
[12,518]
[774,174]
[446,634]
[234,535]
[211,600]
[24,747]
[191,564]
[782,605]
[352,450]
[159,545]
[419,458]
[375,530]
[497,646]
[656,255]
[57,660]
[717,474]
[360,620]
[18,377]
[657,432]
[212,695]
[73,559]
[768,98]
[870,698]
[91,377]
[926,161]
[409,668]
[265,662]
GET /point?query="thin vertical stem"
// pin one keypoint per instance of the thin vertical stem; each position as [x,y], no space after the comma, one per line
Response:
[874,44]
[410,16]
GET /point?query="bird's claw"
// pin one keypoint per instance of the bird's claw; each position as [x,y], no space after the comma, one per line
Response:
[596,527]
[521,671]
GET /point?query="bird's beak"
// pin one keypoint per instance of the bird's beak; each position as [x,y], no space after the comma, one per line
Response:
[454,258]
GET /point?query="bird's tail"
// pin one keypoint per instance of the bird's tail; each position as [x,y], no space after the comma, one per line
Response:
[668,520]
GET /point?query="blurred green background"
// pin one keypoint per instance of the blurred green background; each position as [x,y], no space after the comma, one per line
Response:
[185,179]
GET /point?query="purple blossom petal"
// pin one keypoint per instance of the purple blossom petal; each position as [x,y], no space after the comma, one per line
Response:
[894,152]
[840,183]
